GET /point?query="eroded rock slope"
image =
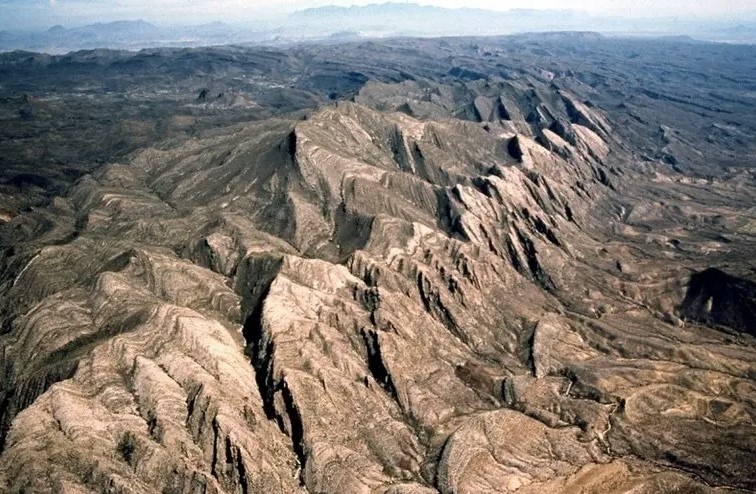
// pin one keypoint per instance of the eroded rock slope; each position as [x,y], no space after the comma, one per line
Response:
[364,301]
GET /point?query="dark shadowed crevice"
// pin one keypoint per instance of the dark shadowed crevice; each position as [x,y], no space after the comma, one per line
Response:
[501,111]
[435,306]
[515,149]
[241,469]
[448,217]
[436,457]
[514,257]
[261,354]
[536,270]
[296,432]
[214,466]
[544,230]
[718,298]
[525,342]
[399,151]
[375,363]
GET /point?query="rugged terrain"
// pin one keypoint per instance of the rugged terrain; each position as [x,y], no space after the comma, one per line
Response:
[409,266]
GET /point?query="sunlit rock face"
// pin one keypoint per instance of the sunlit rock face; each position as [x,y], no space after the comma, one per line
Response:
[405,293]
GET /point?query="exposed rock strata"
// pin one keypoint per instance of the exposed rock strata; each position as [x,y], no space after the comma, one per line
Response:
[366,302]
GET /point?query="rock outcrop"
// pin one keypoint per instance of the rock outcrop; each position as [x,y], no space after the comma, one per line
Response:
[364,301]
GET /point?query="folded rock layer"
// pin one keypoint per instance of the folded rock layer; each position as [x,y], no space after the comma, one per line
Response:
[365,301]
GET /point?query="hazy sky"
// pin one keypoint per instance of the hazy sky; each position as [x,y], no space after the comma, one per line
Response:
[43,13]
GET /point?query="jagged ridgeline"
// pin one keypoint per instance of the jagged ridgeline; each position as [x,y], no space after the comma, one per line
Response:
[474,282]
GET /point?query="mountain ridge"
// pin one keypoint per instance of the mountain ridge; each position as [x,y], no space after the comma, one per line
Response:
[413,266]
[377,20]
[402,7]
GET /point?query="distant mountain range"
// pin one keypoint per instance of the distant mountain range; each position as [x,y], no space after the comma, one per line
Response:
[398,17]
[413,19]
[124,35]
[377,20]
